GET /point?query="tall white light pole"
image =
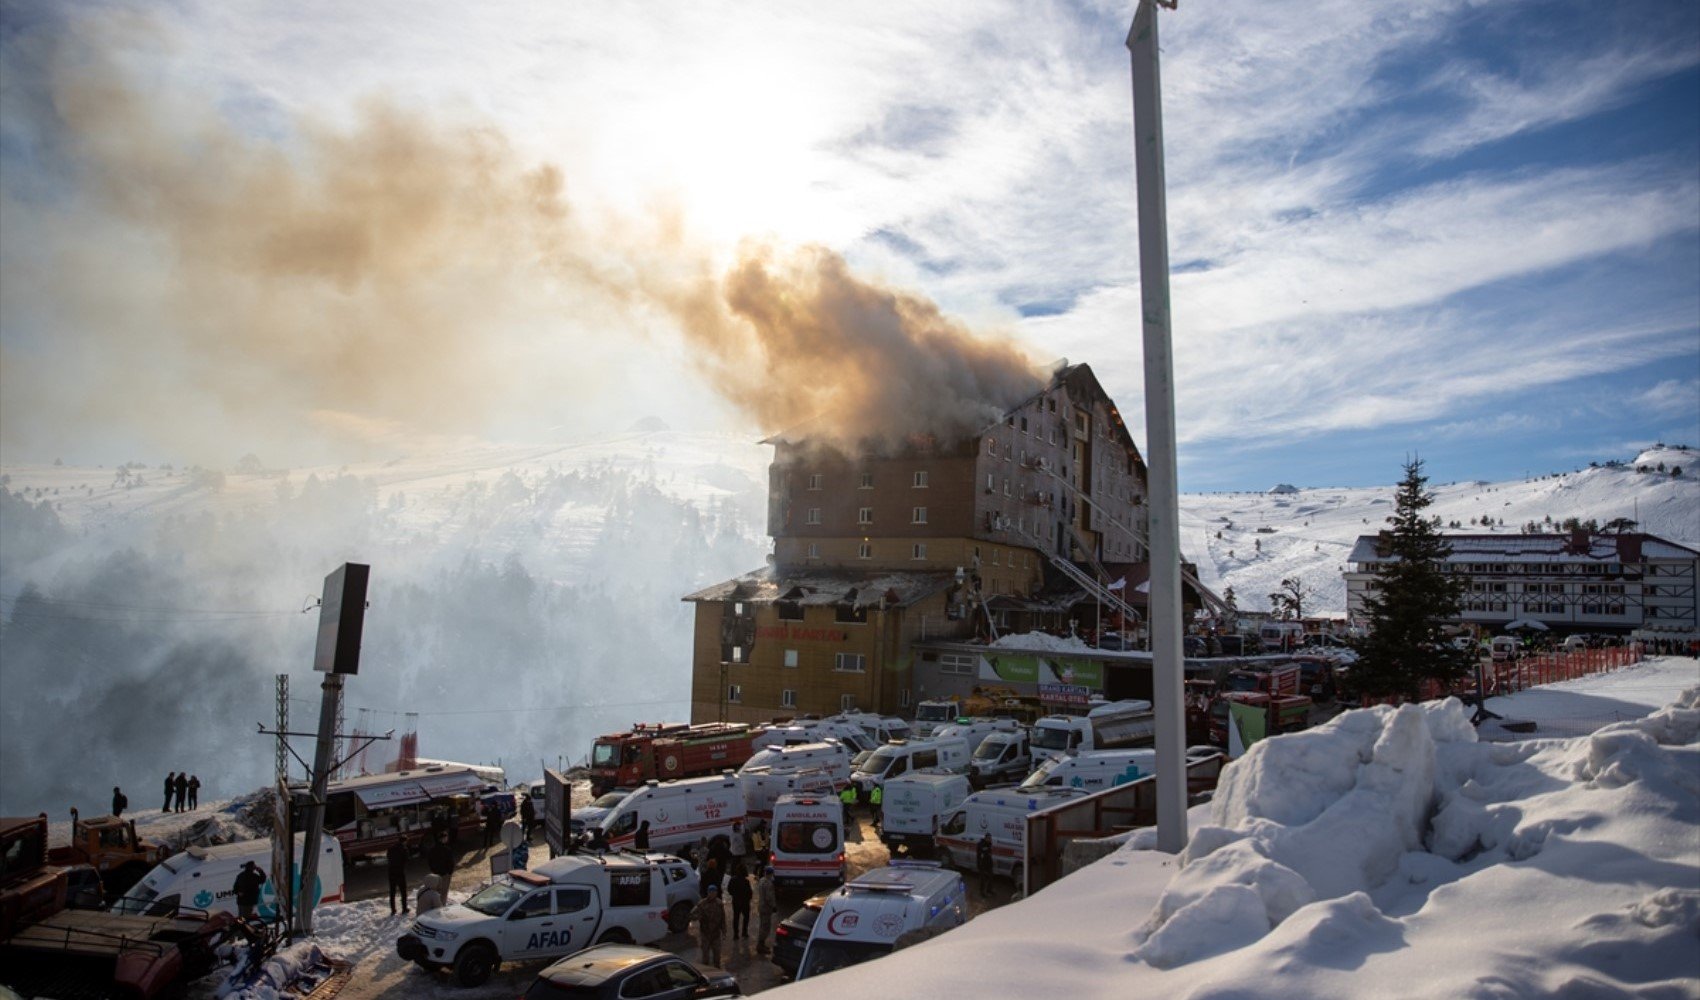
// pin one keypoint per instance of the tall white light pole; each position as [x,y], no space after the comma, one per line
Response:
[1165,536]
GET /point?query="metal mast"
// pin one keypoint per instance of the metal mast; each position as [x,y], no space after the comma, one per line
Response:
[1165,597]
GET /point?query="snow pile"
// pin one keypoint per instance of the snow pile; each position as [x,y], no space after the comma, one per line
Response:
[1042,642]
[1387,852]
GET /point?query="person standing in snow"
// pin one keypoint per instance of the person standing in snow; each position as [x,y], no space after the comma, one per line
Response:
[983,862]
[170,786]
[527,816]
[640,839]
[194,792]
[395,864]
[181,786]
[492,824]
[765,903]
[119,802]
[738,887]
[710,916]
[247,889]
[737,847]
[440,859]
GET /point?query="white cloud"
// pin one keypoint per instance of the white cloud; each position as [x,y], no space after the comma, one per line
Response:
[1670,398]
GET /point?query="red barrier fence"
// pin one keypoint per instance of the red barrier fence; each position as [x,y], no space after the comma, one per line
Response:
[1534,669]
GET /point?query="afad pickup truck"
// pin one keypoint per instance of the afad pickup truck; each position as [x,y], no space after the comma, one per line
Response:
[560,907]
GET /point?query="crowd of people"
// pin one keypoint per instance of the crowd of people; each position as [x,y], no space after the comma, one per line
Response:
[182,792]
[730,868]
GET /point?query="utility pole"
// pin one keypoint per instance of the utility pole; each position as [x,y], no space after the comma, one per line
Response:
[1165,596]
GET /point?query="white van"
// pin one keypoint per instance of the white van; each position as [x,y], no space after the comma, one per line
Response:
[1003,814]
[883,728]
[914,804]
[1002,758]
[1503,647]
[763,788]
[975,731]
[1093,769]
[562,906]
[903,756]
[204,878]
[833,758]
[680,813]
[808,840]
[864,919]
[814,731]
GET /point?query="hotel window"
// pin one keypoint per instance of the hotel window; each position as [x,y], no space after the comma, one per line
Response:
[815,480]
[956,663]
[847,703]
[867,481]
[991,483]
[1024,425]
[919,551]
[991,446]
[903,698]
[1006,486]
[789,611]
[813,516]
[864,515]
[790,657]
[864,551]
[1080,422]
[787,698]
[814,550]
[918,515]
[850,663]
[921,479]
[734,693]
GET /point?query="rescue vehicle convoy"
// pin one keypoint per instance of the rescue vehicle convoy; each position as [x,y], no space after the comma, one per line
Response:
[560,907]
[868,916]
[666,751]
[808,840]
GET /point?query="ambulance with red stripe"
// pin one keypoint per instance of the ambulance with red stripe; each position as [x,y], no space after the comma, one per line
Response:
[866,918]
[680,813]
[1003,814]
[808,840]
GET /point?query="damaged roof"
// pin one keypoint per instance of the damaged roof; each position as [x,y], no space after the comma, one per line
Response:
[827,587]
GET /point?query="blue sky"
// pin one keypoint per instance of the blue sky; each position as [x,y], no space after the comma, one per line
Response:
[1469,230]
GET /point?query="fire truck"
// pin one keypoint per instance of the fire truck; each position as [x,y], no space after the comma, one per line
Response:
[664,751]
[1274,691]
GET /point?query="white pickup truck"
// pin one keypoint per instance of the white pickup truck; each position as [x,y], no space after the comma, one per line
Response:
[560,907]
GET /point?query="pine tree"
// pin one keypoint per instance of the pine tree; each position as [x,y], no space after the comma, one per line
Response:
[1414,599]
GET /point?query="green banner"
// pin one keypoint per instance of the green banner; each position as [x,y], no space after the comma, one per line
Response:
[1028,669]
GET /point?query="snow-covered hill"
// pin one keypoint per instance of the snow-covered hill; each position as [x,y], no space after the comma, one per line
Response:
[1252,541]
[533,591]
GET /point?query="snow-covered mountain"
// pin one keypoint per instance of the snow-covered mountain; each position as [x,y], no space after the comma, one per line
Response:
[1252,541]
[531,591]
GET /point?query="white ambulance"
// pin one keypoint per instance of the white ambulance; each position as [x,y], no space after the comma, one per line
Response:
[808,840]
[814,731]
[976,730]
[947,753]
[680,813]
[913,805]
[562,906]
[834,758]
[762,788]
[883,728]
[1003,814]
[204,878]
[1093,770]
[864,919]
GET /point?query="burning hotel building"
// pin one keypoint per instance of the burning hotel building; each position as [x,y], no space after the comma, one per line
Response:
[886,558]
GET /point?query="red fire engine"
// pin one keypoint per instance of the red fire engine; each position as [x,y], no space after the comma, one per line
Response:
[666,751]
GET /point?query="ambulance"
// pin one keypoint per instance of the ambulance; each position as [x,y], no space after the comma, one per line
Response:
[562,906]
[680,813]
[808,840]
[204,878]
[1003,814]
[832,757]
[947,753]
[914,805]
[1093,770]
[762,788]
[864,919]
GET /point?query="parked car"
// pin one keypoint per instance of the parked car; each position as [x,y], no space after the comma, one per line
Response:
[792,934]
[622,971]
